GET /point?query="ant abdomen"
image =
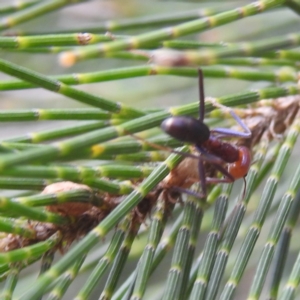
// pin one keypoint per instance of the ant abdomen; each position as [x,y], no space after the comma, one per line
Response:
[186,129]
[240,167]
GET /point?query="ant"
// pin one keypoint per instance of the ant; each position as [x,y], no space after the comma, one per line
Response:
[209,143]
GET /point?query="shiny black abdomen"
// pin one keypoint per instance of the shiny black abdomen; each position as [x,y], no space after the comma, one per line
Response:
[186,129]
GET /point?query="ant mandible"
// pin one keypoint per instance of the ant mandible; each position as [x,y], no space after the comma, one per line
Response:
[210,145]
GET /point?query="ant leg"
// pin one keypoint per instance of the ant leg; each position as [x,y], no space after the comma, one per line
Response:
[217,163]
[189,192]
[228,177]
[225,132]
[209,157]
[201,173]
[160,147]
[201,95]
[203,180]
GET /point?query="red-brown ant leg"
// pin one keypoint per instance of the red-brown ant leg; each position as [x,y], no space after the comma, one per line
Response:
[228,176]
[236,170]
[215,180]
[204,181]
[217,163]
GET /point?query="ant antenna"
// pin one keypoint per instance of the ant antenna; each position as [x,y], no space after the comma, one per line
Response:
[201,95]
[163,148]
[245,187]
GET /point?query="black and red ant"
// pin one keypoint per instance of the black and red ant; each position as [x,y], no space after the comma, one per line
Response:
[209,143]
[214,152]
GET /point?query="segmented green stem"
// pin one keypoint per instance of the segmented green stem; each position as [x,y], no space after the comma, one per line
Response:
[142,156]
[163,248]
[21,42]
[265,202]
[210,248]
[129,72]
[294,5]
[120,261]
[143,270]
[46,262]
[17,227]
[37,9]
[11,282]
[147,21]
[208,57]
[272,240]
[173,287]
[23,183]
[58,87]
[283,247]
[54,114]
[13,208]
[103,151]
[165,245]
[47,135]
[78,195]
[66,279]
[16,6]
[171,32]
[39,184]
[256,61]
[35,250]
[281,54]
[289,290]
[115,244]
[4,269]
[79,173]
[196,225]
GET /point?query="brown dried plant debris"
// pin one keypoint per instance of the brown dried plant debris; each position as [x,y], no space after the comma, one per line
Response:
[83,218]
[269,119]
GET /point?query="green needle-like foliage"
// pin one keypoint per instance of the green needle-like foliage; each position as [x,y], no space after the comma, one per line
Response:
[112,207]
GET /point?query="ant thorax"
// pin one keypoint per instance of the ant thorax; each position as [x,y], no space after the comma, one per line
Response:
[226,151]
